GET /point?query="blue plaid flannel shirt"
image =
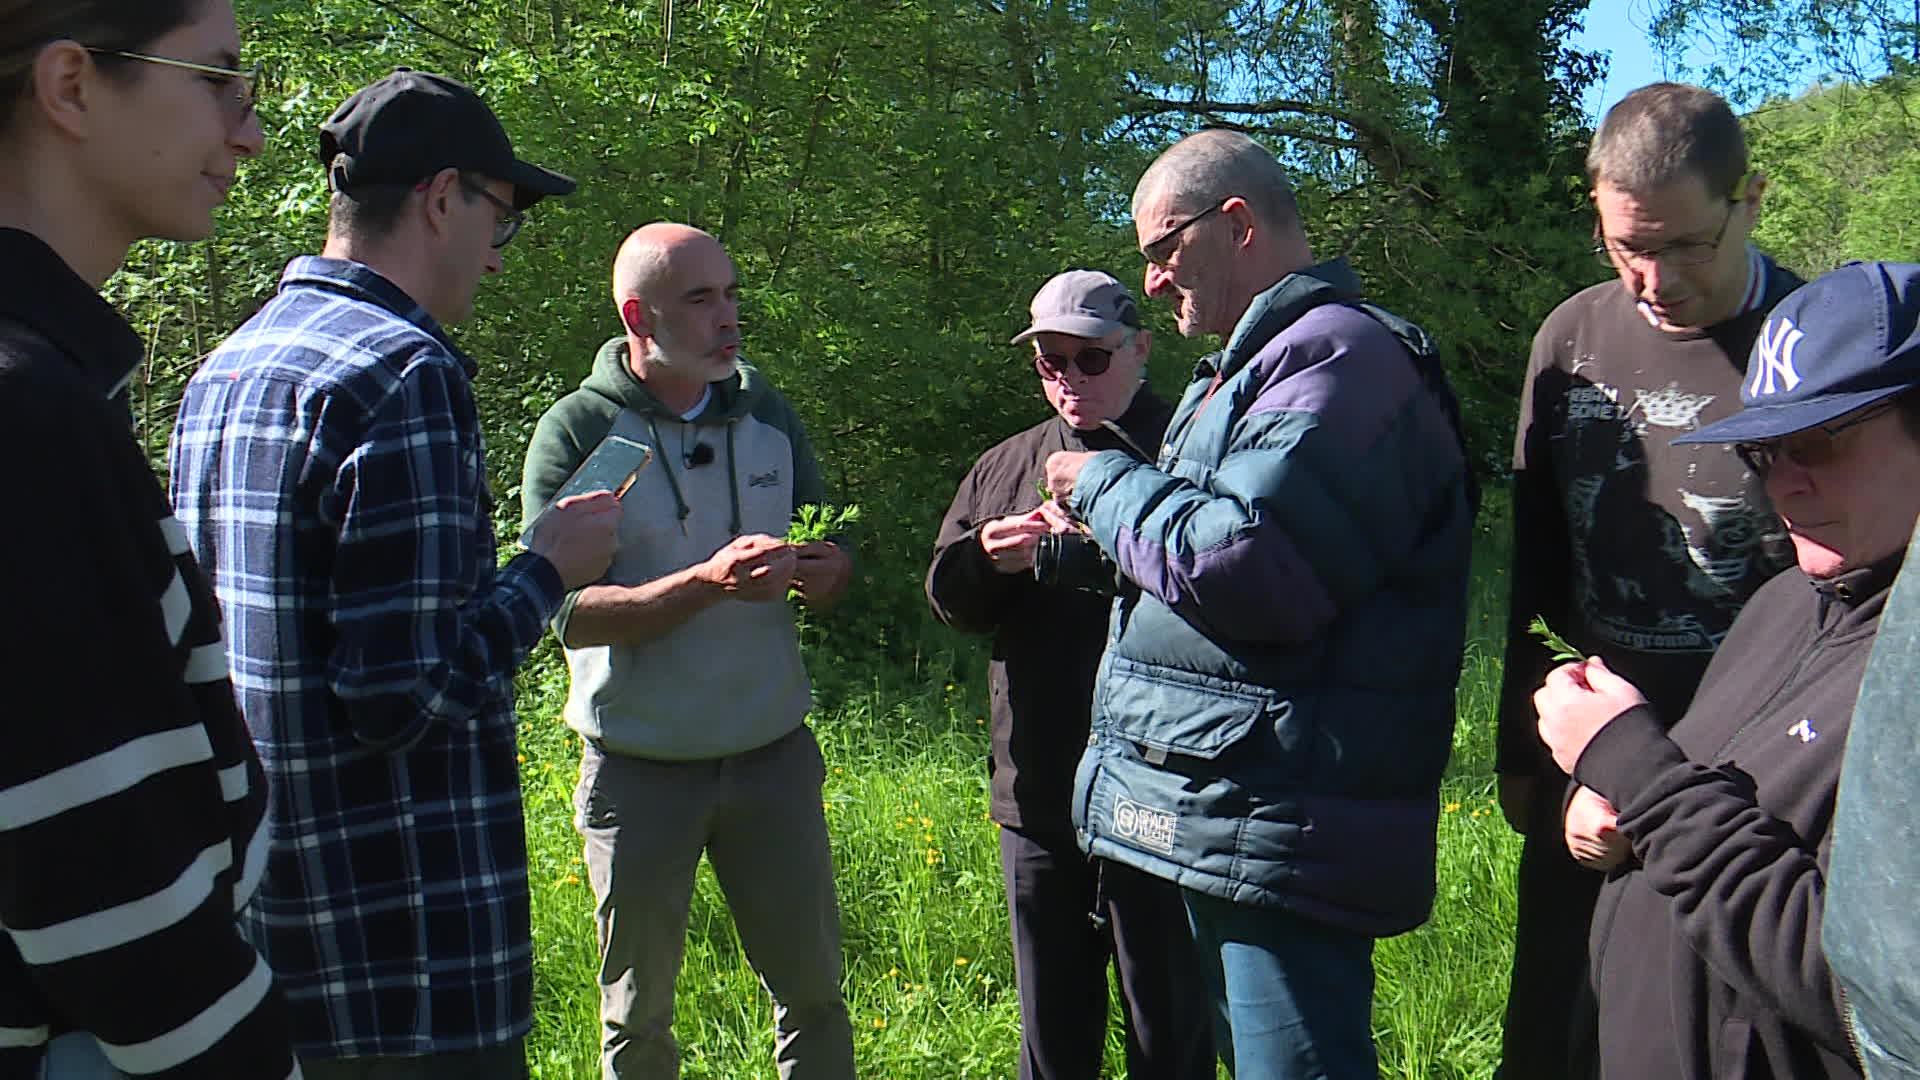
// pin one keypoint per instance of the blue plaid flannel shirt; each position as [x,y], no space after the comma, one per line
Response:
[329,467]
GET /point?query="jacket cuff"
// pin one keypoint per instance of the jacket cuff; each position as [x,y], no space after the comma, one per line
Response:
[1096,476]
[1627,756]
[543,580]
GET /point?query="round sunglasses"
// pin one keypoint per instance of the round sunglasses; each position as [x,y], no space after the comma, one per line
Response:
[1092,360]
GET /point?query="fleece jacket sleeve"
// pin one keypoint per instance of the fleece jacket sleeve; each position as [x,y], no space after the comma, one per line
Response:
[1747,892]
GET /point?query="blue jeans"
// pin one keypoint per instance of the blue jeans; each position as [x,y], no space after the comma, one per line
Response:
[1292,998]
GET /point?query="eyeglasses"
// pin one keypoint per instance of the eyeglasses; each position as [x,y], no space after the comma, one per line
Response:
[1092,360]
[505,226]
[237,104]
[1810,449]
[1679,253]
[1158,250]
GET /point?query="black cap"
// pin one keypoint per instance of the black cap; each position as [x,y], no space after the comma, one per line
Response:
[412,124]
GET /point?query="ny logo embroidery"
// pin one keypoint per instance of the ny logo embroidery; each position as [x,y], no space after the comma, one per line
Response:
[1804,731]
[1773,359]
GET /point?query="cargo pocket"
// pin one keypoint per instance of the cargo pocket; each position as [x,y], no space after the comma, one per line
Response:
[589,812]
[1167,716]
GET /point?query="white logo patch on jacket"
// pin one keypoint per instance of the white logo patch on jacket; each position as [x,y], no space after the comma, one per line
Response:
[1147,826]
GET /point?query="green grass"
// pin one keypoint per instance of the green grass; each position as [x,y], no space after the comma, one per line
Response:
[929,972]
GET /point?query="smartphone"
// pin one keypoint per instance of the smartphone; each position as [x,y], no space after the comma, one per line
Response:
[613,466]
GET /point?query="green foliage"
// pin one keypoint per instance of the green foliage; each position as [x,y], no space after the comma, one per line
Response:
[1844,168]
[895,179]
[815,523]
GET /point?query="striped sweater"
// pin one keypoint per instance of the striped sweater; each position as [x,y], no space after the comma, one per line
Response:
[131,802]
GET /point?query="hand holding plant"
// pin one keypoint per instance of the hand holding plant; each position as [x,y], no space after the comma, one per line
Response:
[821,570]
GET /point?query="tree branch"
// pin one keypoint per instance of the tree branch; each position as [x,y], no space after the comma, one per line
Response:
[384,5]
[1380,144]
[1286,131]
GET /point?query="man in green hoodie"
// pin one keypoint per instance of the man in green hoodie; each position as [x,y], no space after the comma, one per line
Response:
[687,686]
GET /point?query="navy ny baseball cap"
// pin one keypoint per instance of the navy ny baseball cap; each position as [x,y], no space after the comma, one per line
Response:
[412,124]
[1841,342]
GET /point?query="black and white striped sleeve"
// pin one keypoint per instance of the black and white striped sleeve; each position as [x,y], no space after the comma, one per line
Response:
[131,802]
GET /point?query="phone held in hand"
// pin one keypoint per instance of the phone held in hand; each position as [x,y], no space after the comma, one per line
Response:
[613,466]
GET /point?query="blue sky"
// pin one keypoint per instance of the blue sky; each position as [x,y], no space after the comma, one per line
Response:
[1619,28]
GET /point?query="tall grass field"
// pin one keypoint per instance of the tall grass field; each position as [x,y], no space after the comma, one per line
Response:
[929,968]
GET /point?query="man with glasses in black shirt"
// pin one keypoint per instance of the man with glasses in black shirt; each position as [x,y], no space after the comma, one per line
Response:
[1635,550]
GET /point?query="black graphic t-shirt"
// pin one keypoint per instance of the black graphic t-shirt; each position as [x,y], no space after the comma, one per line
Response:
[1634,549]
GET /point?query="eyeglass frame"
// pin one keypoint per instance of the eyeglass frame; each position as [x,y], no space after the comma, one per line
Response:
[248,79]
[1146,249]
[511,222]
[1057,373]
[1759,456]
[1607,251]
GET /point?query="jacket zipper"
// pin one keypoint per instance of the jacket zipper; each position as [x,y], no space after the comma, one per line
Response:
[1846,1025]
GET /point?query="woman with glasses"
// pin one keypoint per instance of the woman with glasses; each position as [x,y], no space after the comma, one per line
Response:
[1706,955]
[131,801]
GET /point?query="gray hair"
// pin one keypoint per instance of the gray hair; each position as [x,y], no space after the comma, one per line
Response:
[1660,134]
[1210,166]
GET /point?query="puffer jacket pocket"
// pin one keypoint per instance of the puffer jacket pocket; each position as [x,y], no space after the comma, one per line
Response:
[1168,713]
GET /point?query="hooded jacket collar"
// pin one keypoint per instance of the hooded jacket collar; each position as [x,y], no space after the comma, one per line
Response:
[1857,593]
[1276,309]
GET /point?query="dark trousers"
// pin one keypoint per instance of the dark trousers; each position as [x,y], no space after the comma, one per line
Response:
[1060,964]
[1556,897]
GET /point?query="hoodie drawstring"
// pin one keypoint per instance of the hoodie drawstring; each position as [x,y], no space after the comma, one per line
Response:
[733,478]
[673,479]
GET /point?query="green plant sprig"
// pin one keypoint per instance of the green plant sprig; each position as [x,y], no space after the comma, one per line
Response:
[1561,649]
[814,522]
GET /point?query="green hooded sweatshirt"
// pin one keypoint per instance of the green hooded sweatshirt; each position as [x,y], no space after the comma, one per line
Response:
[730,678]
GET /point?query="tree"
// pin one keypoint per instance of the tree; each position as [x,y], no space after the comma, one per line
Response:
[895,179]
[1844,165]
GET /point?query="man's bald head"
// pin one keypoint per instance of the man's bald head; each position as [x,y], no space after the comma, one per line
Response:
[1208,166]
[645,261]
[678,297]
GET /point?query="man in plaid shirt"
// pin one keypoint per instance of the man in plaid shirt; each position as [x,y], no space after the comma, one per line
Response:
[329,467]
